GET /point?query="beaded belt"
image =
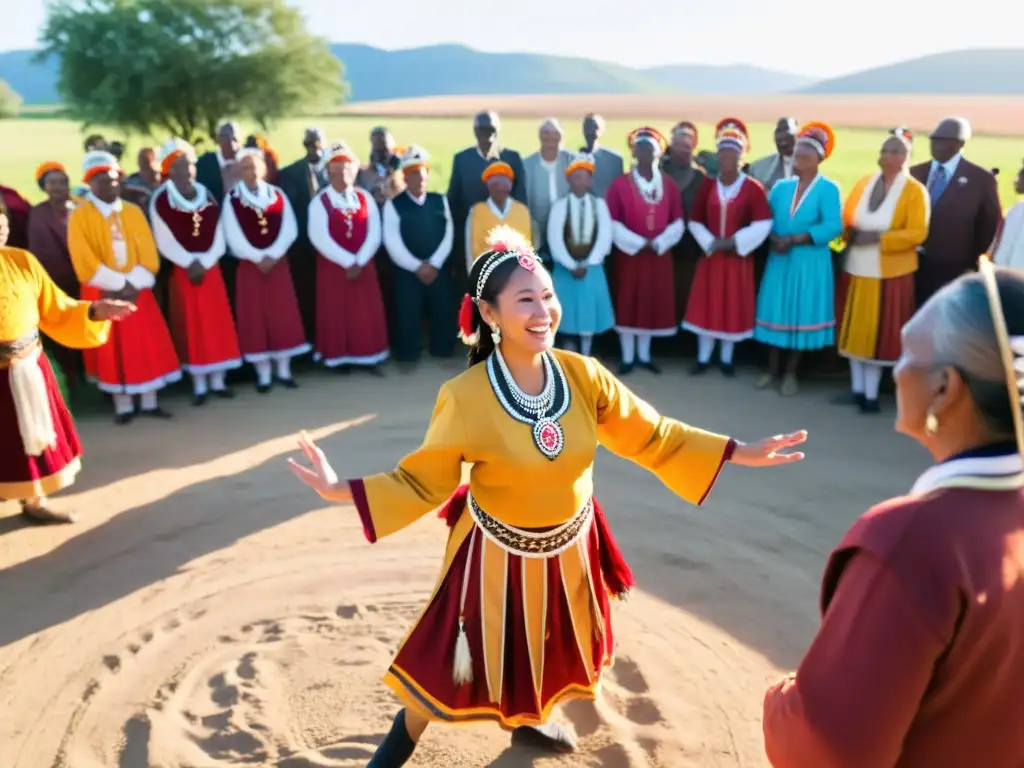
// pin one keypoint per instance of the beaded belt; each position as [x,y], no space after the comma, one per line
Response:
[532,543]
[12,351]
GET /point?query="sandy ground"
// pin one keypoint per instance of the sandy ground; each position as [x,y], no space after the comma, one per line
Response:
[994,115]
[208,611]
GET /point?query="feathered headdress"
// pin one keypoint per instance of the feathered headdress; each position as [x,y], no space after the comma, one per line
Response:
[732,133]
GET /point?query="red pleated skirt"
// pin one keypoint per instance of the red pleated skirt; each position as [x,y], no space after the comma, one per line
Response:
[139,356]
[22,476]
[722,299]
[351,328]
[645,294]
[269,323]
[201,323]
[539,629]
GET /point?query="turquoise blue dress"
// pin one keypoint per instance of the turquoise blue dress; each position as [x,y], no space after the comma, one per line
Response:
[796,301]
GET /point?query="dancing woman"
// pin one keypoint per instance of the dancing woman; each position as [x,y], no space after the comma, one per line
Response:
[919,657]
[520,620]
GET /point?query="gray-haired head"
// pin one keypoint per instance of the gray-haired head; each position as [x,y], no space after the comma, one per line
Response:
[552,124]
[229,126]
[957,324]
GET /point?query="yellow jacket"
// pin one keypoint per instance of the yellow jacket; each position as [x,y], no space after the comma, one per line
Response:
[91,245]
[483,217]
[907,229]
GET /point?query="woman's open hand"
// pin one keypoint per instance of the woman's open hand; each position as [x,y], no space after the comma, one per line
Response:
[770,451]
[319,476]
[110,309]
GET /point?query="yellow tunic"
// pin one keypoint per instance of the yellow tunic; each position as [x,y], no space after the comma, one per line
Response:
[483,218]
[90,244]
[469,425]
[29,299]
[907,227]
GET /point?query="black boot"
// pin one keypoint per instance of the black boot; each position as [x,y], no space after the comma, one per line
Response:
[397,747]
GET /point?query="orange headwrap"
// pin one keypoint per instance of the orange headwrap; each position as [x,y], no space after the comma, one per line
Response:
[498,168]
[49,166]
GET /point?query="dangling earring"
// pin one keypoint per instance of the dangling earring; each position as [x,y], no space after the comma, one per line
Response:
[931,423]
[496,334]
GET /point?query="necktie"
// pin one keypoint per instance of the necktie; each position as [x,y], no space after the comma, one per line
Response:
[938,183]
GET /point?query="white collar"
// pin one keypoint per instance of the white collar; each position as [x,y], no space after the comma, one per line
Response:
[949,166]
[500,212]
[653,190]
[418,200]
[181,203]
[107,209]
[262,198]
[729,192]
[1008,467]
[348,200]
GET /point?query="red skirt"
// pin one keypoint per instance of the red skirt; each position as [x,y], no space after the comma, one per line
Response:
[201,323]
[722,300]
[539,629]
[351,328]
[139,356]
[21,476]
[269,323]
[645,297]
[870,314]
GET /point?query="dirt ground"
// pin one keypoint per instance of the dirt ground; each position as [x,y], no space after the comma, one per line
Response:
[993,115]
[208,611]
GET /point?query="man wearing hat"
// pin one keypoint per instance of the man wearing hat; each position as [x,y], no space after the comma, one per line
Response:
[647,223]
[419,234]
[466,187]
[300,182]
[778,166]
[965,209]
[114,256]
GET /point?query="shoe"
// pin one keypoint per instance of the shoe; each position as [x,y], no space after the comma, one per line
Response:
[43,514]
[550,736]
[649,366]
[789,386]
[224,394]
[728,370]
[198,400]
[263,388]
[156,413]
[626,368]
[698,369]
[123,418]
[767,381]
[869,406]
[288,383]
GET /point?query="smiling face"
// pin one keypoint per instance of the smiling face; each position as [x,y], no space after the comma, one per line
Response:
[57,186]
[527,312]
[893,156]
[106,186]
[343,172]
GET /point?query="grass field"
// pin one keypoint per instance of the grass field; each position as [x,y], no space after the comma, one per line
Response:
[29,140]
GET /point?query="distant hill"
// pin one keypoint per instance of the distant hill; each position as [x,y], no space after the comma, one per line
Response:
[977,72]
[452,70]
[736,78]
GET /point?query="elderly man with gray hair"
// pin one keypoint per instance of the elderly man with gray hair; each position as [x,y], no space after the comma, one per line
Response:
[965,209]
[466,187]
[545,180]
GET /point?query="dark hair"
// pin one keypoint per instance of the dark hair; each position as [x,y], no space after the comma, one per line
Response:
[964,338]
[496,282]
[95,138]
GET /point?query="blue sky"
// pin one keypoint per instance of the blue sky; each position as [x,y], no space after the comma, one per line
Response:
[839,37]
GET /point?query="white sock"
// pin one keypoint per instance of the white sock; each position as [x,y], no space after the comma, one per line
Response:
[643,347]
[217,381]
[857,377]
[872,380]
[284,367]
[727,349]
[705,347]
[123,404]
[586,343]
[199,384]
[627,341]
[263,371]
[148,401]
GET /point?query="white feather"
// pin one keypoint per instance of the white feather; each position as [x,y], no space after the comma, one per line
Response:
[510,238]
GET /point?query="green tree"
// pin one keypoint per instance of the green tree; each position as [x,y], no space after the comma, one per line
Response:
[10,101]
[179,67]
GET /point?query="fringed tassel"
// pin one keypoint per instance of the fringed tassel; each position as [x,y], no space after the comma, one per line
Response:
[616,571]
[462,669]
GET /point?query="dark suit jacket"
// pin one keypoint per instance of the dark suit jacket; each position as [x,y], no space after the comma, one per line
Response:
[963,222]
[294,180]
[208,174]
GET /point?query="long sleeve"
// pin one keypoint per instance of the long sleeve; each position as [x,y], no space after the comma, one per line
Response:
[289,231]
[371,244]
[62,318]
[456,198]
[167,244]
[393,242]
[88,264]
[853,200]
[685,459]
[830,215]
[468,241]
[603,241]
[440,256]
[217,249]
[858,688]
[556,235]
[423,480]
[990,216]
[749,238]
[698,223]
[914,229]
[625,239]
[320,236]
[237,242]
[674,232]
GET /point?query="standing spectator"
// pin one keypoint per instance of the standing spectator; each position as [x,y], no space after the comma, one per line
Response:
[500,208]
[1008,248]
[545,181]
[965,209]
[774,168]
[608,164]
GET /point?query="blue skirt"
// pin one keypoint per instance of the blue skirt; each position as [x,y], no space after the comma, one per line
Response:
[586,301]
[796,301]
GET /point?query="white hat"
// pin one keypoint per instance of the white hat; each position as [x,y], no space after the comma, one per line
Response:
[99,161]
[339,150]
[415,157]
[175,148]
